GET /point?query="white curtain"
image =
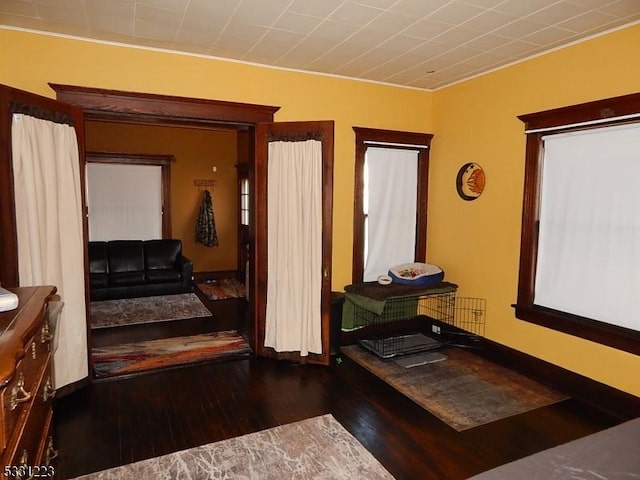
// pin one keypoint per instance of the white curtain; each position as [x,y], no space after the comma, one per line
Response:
[124,201]
[391,188]
[49,230]
[294,253]
[589,239]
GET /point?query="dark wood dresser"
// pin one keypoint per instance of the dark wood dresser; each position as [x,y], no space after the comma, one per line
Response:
[26,385]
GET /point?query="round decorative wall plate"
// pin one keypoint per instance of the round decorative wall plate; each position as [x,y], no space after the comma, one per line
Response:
[470,181]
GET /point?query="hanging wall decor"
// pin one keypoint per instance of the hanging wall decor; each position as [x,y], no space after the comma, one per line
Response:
[470,181]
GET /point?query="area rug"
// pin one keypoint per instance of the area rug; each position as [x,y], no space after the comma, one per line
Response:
[464,390]
[318,448]
[131,311]
[222,289]
[167,352]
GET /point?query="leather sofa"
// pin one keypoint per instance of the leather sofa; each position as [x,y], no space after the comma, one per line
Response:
[137,268]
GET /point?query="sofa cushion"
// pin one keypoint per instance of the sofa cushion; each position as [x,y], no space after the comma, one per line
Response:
[126,256]
[98,260]
[161,254]
[121,279]
[98,280]
[164,275]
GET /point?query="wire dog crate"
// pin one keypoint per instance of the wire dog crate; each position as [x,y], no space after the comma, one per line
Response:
[466,314]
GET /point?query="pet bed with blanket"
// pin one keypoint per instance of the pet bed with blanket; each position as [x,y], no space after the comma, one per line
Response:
[423,274]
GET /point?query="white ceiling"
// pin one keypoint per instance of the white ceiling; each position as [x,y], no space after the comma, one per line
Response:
[417,43]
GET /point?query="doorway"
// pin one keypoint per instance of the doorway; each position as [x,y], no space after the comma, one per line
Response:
[118,106]
[148,109]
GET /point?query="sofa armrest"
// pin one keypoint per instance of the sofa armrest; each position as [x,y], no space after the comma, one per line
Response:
[185,266]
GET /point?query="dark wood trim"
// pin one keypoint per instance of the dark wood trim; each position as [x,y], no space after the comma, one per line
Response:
[525,309]
[113,105]
[116,105]
[363,135]
[163,161]
[583,112]
[259,205]
[530,220]
[214,275]
[611,335]
[73,387]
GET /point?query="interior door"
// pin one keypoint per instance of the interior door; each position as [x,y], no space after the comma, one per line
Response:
[14,101]
[290,132]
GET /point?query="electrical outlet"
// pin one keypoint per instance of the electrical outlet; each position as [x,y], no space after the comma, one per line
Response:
[435,329]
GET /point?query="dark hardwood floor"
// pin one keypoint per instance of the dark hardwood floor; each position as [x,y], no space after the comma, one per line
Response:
[118,421]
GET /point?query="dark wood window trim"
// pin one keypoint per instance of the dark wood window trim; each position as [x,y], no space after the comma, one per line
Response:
[604,112]
[364,137]
[163,161]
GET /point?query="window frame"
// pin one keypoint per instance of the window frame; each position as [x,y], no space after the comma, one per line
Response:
[399,139]
[163,161]
[600,113]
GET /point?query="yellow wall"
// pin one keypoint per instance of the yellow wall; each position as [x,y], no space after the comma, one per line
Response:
[32,60]
[196,151]
[478,243]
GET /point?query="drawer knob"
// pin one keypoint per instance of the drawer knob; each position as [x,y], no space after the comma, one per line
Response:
[48,391]
[23,471]
[51,453]
[46,334]
[19,394]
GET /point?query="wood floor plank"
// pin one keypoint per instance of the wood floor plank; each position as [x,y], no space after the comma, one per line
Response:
[121,421]
[118,421]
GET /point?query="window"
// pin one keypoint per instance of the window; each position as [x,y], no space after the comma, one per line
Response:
[127,196]
[244,201]
[390,216]
[580,244]
[389,209]
[243,193]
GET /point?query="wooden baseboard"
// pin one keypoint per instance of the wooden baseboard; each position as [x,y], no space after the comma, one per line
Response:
[214,275]
[72,387]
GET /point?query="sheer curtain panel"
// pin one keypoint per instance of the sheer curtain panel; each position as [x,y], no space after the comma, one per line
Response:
[391,186]
[124,201]
[294,247]
[48,202]
[589,241]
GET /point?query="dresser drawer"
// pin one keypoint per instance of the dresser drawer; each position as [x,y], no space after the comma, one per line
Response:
[25,377]
[47,453]
[30,446]
[16,396]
